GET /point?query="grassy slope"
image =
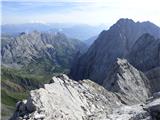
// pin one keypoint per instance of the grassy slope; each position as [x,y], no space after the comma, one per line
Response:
[13,88]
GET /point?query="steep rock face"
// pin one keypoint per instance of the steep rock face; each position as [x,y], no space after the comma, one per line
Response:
[126,80]
[64,98]
[154,76]
[145,53]
[53,48]
[145,56]
[111,44]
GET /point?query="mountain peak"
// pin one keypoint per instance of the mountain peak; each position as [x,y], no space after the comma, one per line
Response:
[125,20]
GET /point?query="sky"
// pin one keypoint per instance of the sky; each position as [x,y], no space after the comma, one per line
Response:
[91,12]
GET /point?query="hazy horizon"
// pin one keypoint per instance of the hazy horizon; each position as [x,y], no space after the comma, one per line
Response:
[95,12]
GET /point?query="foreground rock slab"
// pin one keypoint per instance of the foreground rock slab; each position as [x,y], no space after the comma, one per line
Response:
[65,99]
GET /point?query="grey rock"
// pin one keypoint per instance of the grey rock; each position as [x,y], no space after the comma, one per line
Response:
[145,53]
[133,112]
[148,111]
[145,56]
[153,106]
[68,99]
[154,76]
[124,79]
[83,100]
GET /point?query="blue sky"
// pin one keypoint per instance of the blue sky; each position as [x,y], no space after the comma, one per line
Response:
[92,12]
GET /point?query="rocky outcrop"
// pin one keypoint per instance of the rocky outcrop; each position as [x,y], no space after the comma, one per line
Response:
[148,111]
[126,80]
[111,44]
[64,98]
[153,106]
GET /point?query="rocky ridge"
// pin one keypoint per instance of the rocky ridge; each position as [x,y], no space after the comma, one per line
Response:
[64,98]
[67,99]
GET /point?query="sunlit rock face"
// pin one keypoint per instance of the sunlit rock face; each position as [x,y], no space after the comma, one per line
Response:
[64,98]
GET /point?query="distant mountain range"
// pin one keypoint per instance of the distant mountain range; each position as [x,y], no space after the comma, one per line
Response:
[45,50]
[79,31]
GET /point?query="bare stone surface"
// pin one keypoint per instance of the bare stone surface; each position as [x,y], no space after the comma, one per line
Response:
[125,80]
[68,99]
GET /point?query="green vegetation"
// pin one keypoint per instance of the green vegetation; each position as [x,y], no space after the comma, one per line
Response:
[18,76]
[7,111]
[16,85]
[10,98]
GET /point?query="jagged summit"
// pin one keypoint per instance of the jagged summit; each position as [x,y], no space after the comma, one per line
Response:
[121,62]
[124,21]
